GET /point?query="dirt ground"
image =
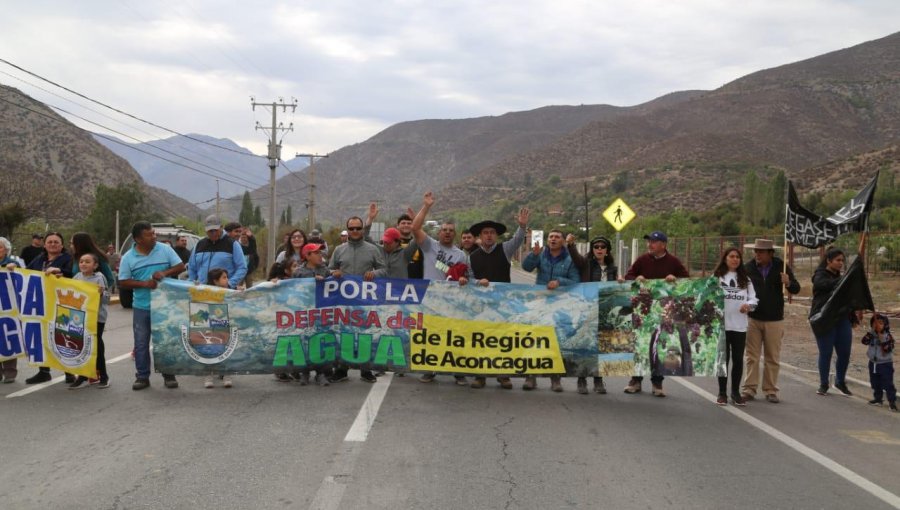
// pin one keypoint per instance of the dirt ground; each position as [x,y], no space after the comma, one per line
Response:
[799,348]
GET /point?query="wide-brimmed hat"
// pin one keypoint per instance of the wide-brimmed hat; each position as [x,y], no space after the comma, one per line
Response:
[478,227]
[763,244]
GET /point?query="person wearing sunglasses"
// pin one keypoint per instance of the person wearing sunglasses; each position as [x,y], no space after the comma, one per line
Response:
[356,257]
[595,266]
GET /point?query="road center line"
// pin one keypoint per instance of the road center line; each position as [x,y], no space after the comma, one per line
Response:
[55,380]
[359,431]
[876,490]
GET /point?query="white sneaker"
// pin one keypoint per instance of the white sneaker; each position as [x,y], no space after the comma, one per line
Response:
[226,381]
[208,382]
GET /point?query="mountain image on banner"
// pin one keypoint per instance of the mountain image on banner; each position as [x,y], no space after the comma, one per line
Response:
[806,228]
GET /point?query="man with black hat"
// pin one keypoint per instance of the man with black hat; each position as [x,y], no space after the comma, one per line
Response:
[765,330]
[31,251]
[656,264]
[492,265]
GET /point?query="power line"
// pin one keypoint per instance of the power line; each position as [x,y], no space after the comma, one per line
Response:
[187,149]
[114,140]
[26,71]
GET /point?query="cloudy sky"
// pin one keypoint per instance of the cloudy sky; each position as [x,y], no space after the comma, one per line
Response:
[357,67]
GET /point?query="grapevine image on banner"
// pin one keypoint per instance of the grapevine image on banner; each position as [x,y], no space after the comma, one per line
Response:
[677,327]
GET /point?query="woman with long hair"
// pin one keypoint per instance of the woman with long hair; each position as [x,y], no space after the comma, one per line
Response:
[740,299]
[296,242]
[839,338]
[57,261]
[596,266]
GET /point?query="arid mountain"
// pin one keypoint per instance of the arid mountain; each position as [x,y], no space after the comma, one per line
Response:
[796,116]
[408,158]
[52,167]
[239,168]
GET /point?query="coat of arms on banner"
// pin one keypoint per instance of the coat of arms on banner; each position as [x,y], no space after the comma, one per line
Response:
[209,337]
[71,343]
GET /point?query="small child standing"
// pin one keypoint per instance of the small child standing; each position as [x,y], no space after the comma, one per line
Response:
[219,278]
[881,360]
[88,267]
[313,266]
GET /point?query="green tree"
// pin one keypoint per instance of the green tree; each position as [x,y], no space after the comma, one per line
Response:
[751,197]
[288,219]
[127,199]
[246,215]
[258,220]
[11,216]
[283,219]
[776,199]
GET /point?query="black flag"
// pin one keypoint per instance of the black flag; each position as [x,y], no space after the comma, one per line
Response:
[850,294]
[806,228]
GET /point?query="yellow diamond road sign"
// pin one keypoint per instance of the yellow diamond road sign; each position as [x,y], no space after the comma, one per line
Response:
[619,214]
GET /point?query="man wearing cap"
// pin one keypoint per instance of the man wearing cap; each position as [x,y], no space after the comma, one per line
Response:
[356,257]
[217,251]
[344,236]
[656,264]
[414,267]
[490,264]
[770,276]
[396,257]
[439,256]
[31,251]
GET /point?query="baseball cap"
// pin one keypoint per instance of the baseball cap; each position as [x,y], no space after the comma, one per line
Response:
[391,234]
[656,235]
[309,248]
[344,233]
[315,233]
[212,223]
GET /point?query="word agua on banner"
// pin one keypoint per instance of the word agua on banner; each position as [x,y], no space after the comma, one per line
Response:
[51,320]
[504,329]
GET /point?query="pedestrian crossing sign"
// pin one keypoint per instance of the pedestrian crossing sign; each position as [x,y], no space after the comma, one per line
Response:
[619,214]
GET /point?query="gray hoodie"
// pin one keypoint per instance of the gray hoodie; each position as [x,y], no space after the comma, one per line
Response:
[357,257]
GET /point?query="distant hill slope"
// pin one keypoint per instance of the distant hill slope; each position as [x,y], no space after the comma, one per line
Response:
[52,167]
[398,164]
[196,185]
[795,116]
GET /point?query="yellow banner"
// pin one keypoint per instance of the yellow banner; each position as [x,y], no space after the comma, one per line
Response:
[487,348]
[55,321]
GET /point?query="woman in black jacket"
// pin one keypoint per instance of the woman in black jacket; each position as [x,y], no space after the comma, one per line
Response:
[838,339]
[54,260]
[596,266]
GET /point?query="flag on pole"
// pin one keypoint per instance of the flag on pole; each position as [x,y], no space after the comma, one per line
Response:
[808,229]
[850,294]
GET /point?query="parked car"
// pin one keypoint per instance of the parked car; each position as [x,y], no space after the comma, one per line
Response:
[164,232]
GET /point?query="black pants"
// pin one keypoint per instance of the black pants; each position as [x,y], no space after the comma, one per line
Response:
[655,379]
[101,353]
[735,341]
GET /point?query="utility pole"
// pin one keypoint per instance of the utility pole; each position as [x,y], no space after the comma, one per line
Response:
[274,157]
[311,175]
[587,225]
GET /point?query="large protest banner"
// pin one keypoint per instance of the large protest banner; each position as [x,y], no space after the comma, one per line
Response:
[806,228]
[51,320]
[417,325]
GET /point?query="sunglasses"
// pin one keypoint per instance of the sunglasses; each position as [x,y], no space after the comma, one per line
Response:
[354,229]
[599,246]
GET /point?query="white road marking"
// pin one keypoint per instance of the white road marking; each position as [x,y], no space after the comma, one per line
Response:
[359,431]
[331,490]
[876,490]
[55,380]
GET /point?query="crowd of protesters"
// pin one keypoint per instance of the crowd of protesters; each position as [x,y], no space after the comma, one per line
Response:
[226,257]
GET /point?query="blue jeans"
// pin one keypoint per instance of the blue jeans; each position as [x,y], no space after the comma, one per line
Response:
[838,339]
[140,324]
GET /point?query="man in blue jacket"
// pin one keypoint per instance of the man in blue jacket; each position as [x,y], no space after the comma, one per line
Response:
[555,269]
[217,251]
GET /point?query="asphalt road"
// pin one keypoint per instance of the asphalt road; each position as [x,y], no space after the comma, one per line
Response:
[265,444]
